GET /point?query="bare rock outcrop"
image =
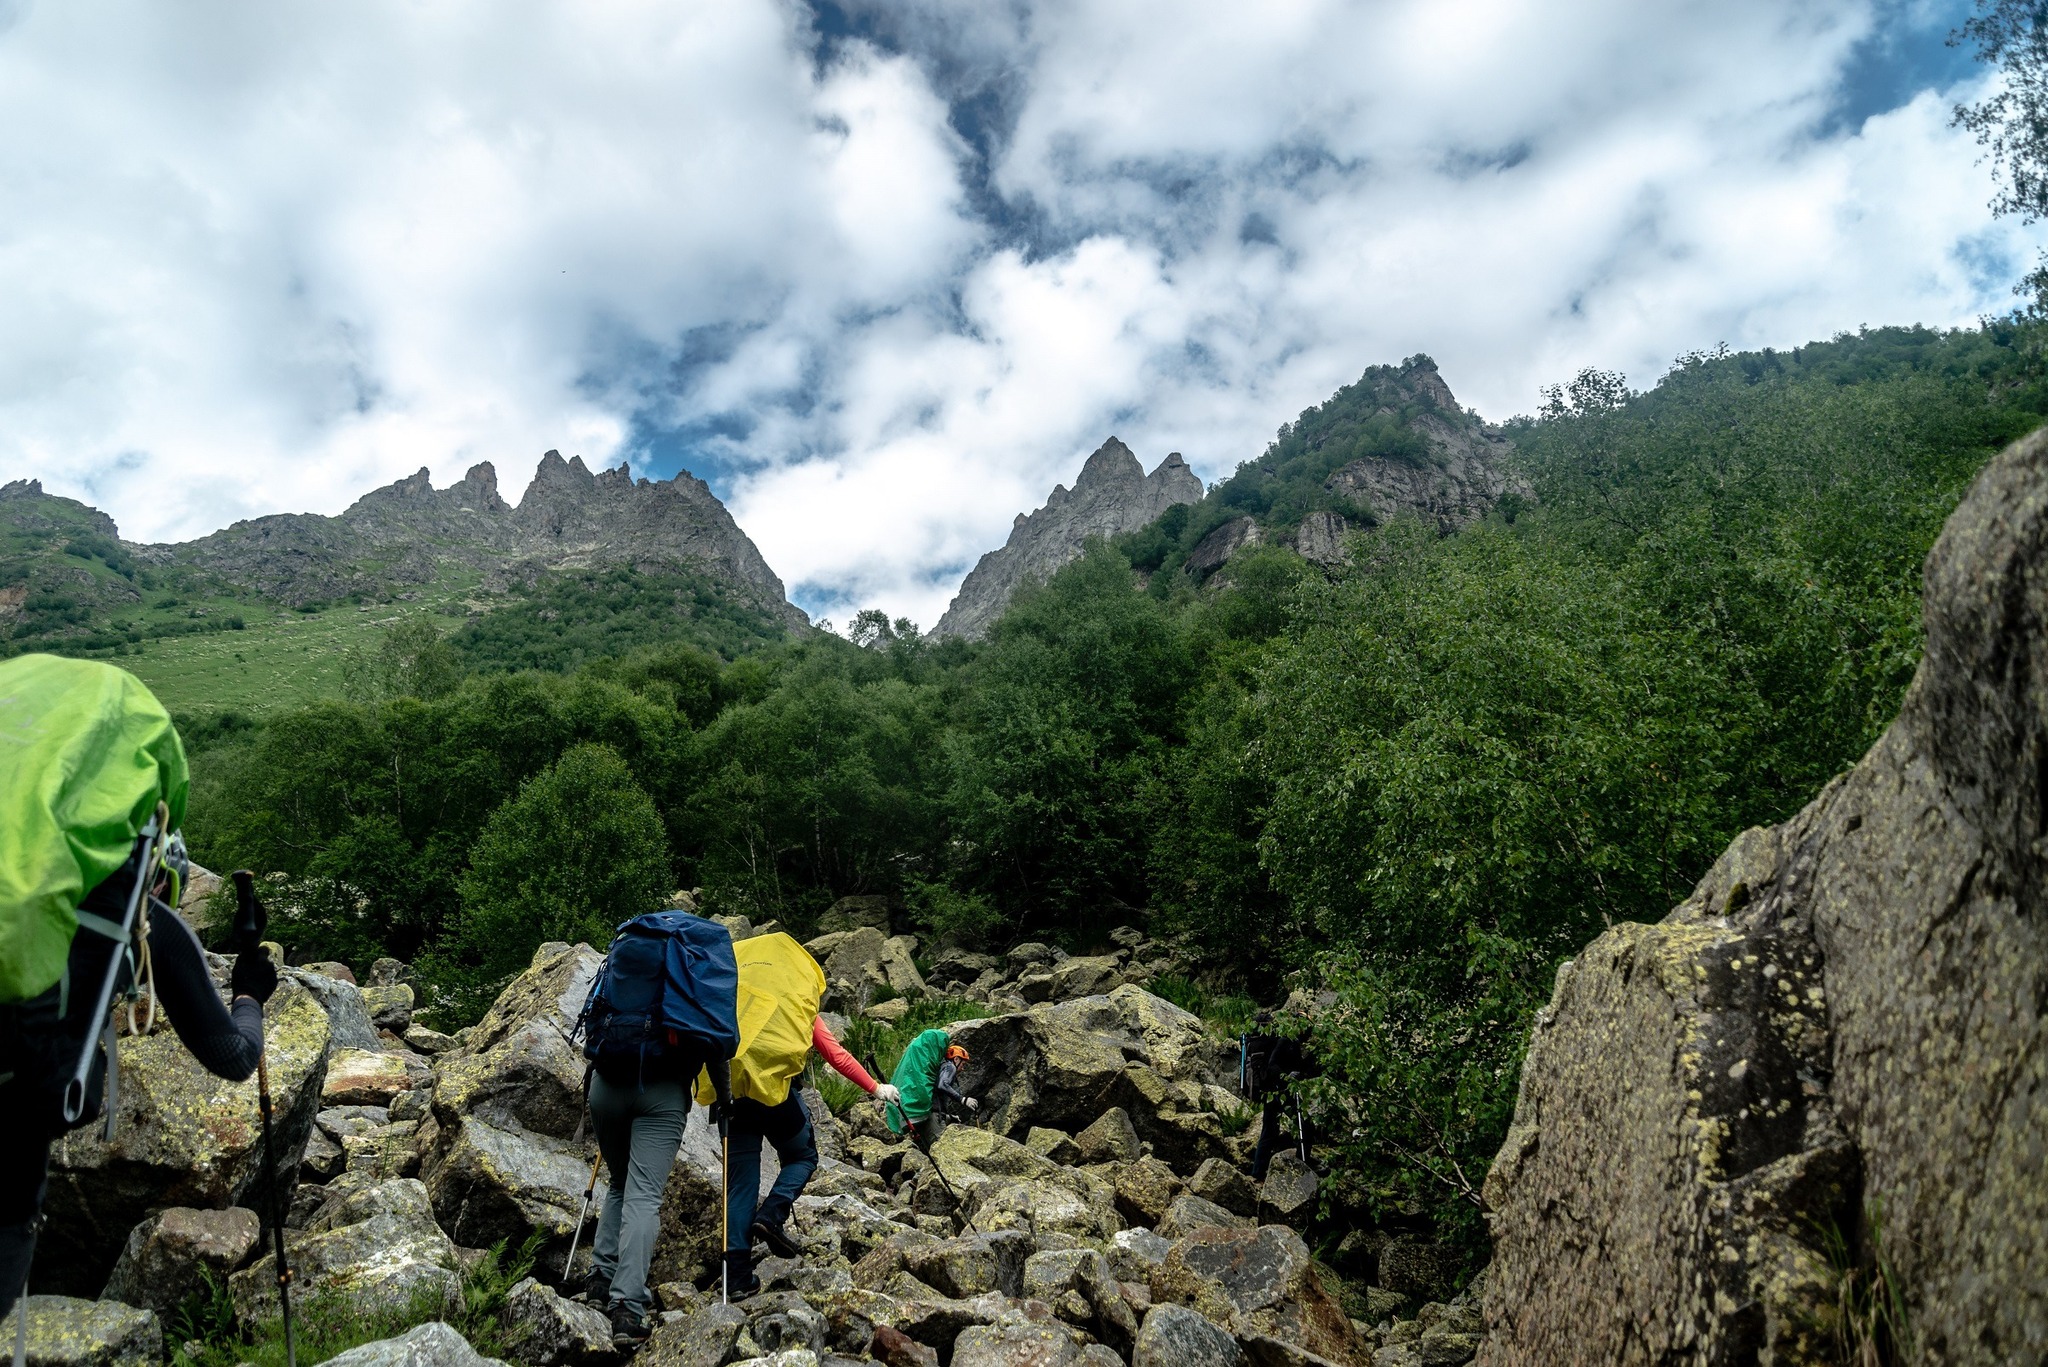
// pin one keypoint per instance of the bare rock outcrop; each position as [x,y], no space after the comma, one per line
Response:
[569,518]
[1842,1028]
[1112,495]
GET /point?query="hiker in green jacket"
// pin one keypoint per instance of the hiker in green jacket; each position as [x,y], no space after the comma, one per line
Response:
[928,1079]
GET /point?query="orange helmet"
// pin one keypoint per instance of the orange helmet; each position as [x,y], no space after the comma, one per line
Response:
[954,1051]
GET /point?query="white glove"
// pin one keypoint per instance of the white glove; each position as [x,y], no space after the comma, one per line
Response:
[886,1093]
[971,1103]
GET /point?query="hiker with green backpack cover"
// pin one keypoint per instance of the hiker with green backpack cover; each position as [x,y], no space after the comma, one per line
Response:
[92,791]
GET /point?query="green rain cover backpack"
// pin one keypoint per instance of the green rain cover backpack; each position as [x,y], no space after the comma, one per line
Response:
[86,754]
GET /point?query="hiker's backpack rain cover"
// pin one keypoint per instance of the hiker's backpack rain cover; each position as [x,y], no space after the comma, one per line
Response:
[86,753]
[668,983]
[781,986]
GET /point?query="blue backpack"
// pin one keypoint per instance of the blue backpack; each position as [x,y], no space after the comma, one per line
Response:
[669,987]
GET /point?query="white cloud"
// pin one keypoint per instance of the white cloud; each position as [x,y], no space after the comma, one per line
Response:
[261,260]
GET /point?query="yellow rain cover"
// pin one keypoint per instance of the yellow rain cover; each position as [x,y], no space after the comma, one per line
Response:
[780,988]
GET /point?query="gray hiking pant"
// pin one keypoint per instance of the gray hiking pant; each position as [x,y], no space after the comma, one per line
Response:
[639,1130]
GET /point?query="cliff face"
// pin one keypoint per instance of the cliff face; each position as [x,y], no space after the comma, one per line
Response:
[1845,1027]
[569,518]
[1112,495]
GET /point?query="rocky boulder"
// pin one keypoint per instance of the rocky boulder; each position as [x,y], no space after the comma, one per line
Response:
[1062,1064]
[374,1252]
[1078,1285]
[973,1264]
[182,1137]
[1223,1184]
[1175,1336]
[1846,1017]
[390,1006]
[364,1077]
[861,960]
[67,1332]
[169,1255]
[702,1338]
[493,1183]
[430,1345]
[348,1017]
[1004,1185]
[1258,1282]
[548,1331]
[518,1066]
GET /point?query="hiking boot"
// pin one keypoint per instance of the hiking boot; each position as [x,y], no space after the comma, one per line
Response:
[740,1281]
[629,1329]
[771,1233]
[594,1289]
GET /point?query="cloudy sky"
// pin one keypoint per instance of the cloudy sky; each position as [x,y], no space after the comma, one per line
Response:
[884,273]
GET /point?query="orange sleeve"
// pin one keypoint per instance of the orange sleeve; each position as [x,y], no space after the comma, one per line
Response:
[834,1053]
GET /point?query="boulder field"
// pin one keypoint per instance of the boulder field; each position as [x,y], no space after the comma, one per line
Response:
[1097,1212]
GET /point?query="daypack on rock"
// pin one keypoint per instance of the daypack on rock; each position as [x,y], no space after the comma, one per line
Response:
[667,991]
[780,988]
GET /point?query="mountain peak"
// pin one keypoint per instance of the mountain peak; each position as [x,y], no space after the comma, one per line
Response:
[1112,494]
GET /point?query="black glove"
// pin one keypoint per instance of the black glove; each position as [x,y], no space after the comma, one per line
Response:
[253,975]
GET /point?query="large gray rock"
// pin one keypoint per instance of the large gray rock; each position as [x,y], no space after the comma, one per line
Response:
[1024,1336]
[1175,1336]
[1112,495]
[1847,1013]
[495,1183]
[851,913]
[182,1137]
[1111,1138]
[1289,1190]
[1061,1065]
[376,1252]
[1220,1181]
[390,1006]
[169,1255]
[702,1338]
[545,1330]
[348,1018]
[1258,1282]
[1078,1285]
[1004,1185]
[518,1067]
[430,1345]
[973,1263]
[64,1331]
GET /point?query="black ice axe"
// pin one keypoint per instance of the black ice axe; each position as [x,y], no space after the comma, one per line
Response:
[248,939]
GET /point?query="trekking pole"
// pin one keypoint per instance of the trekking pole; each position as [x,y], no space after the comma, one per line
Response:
[721,1086]
[1300,1129]
[249,940]
[569,1263]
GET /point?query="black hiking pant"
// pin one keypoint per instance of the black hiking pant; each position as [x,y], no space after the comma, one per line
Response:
[1270,1120]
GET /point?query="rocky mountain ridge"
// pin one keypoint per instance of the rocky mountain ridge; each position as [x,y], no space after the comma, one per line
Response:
[1448,468]
[63,565]
[568,518]
[1112,495]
